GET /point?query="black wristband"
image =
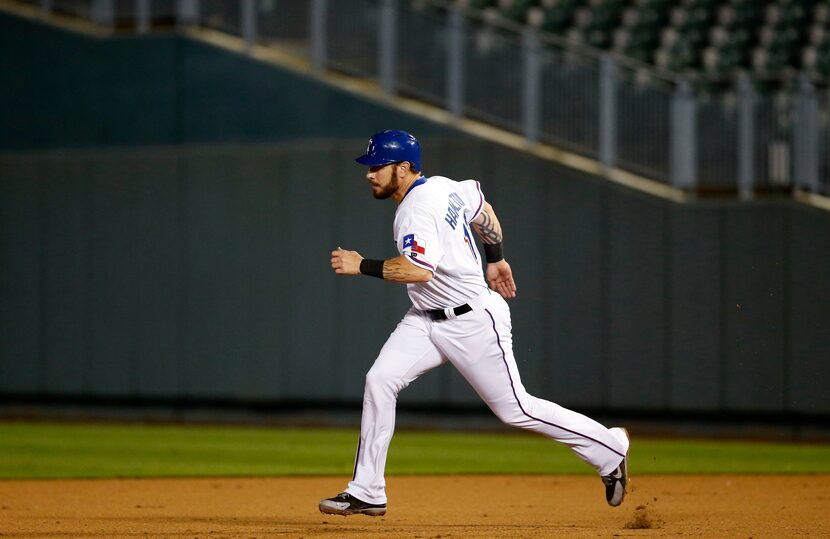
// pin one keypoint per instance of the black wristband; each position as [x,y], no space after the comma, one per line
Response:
[493,252]
[372,267]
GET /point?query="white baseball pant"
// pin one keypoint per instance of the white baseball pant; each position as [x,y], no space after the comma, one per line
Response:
[480,345]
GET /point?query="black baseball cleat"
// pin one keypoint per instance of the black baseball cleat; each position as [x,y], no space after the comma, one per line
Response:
[616,483]
[346,504]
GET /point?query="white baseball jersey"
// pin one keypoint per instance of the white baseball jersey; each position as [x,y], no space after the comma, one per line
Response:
[432,230]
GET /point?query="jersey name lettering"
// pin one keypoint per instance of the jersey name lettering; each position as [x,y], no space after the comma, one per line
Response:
[455,203]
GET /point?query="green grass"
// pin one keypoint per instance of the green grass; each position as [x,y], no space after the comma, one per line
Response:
[47,450]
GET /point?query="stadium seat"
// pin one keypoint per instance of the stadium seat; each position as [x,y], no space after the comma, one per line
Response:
[736,38]
[754,4]
[808,5]
[744,16]
[822,64]
[782,37]
[722,61]
[717,37]
[818,35]
[662,6]
[615,5]
[784,15]
[598,37]
[638,36]
[650,17]
[477,4]
[809,59]
[708,5]
[575,34]
[772,60]
[593,24]
[677,52]
[639,33]
[515,10]
[555,20]
[816,59]
[596,18]
[821,15]
[692,23]
[568,4]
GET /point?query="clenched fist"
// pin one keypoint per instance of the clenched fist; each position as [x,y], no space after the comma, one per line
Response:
[345,262]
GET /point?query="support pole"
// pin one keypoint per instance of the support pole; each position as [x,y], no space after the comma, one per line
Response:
[531,85]
[455,62]
[608,80]
[684,137]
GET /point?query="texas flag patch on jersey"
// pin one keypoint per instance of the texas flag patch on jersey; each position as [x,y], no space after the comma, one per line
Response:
[409,242]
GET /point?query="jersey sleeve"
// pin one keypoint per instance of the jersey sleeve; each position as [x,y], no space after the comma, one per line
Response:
[470,191]
[417,239]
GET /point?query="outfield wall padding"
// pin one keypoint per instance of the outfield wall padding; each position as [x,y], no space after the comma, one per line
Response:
[203,273]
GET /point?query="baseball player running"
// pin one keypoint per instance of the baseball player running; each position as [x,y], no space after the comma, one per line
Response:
[454,317]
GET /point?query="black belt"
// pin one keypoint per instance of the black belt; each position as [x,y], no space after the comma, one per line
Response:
[439,314]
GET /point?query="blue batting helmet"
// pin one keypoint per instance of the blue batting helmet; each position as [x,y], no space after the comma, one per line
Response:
[392,146]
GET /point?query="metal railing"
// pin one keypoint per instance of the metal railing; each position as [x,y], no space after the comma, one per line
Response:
[623,113]
[824,145]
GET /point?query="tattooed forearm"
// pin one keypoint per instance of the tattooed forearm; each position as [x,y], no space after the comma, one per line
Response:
[487,226]
[402,271]
[393,270]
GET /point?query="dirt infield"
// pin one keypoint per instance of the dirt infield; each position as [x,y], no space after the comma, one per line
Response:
[420,507]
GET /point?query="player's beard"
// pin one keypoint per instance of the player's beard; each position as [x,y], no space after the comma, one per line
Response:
[389,189]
